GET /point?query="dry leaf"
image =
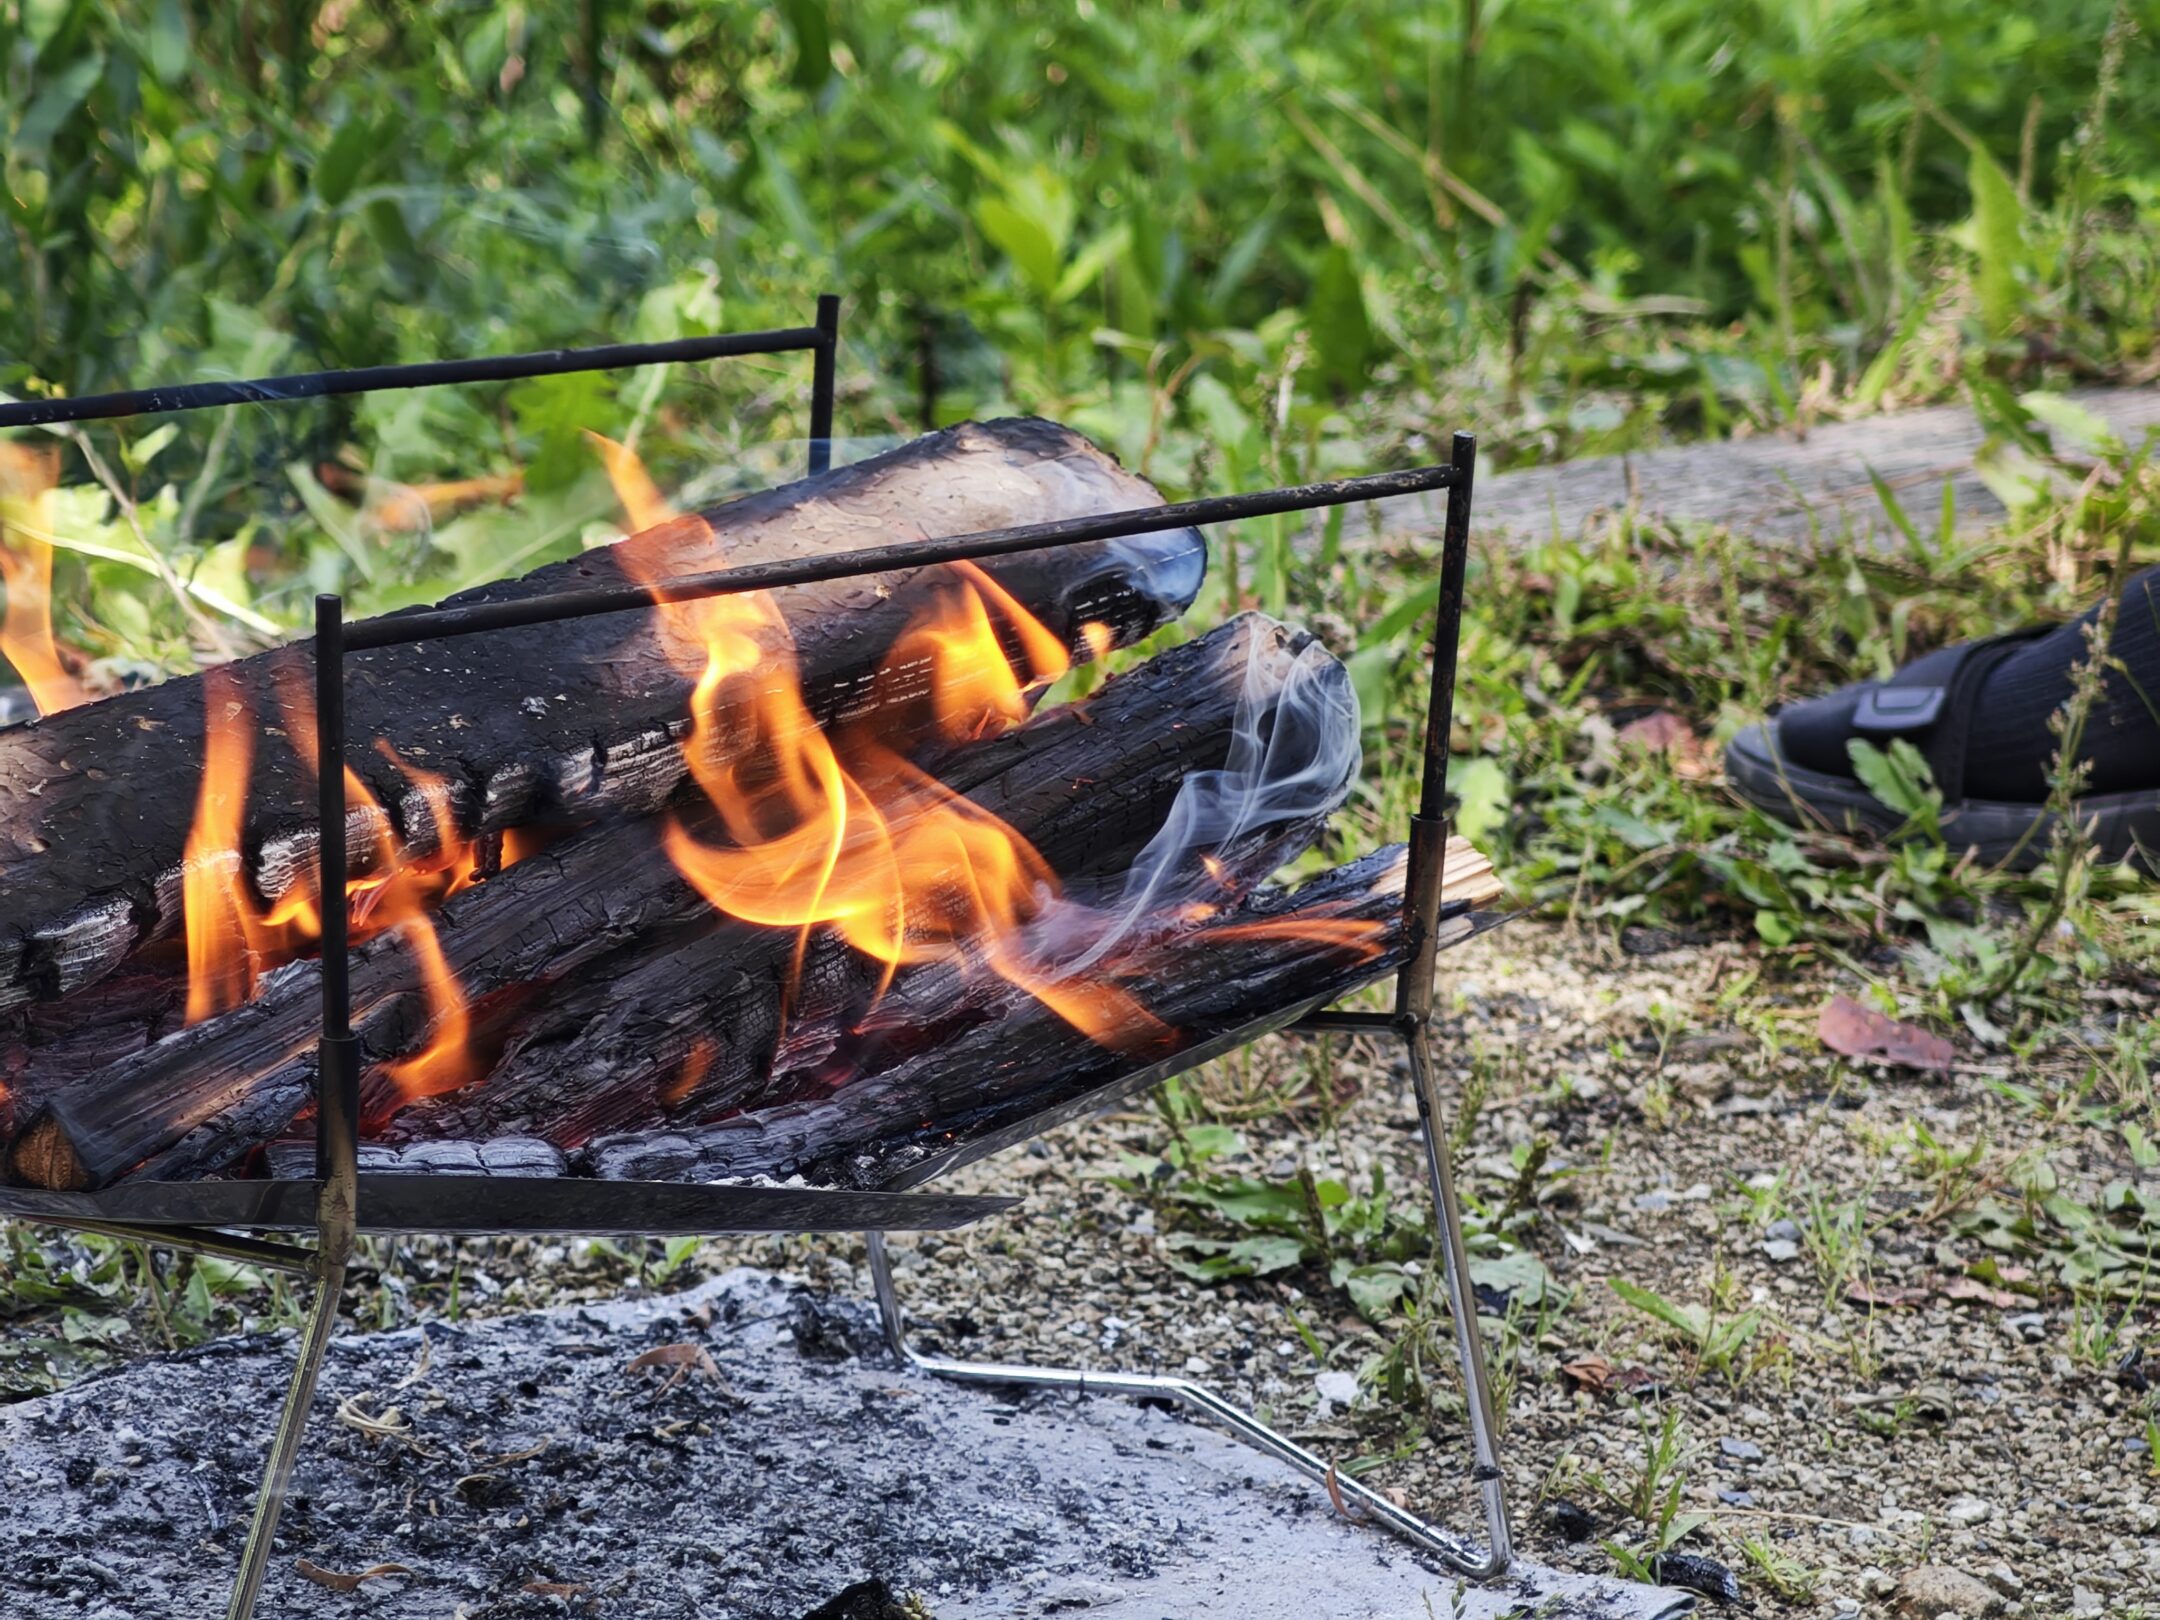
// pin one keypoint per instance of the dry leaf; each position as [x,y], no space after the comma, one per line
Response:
[1869,1297]
[1855,1031]
[338,1582]
[1663,732]
[1335,1495]
[561,1589]
[682,1359]
[676,1355]
[1971,1288]
[1590,1372]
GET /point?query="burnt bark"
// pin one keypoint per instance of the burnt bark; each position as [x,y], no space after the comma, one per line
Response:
[690,1029]
[1020,1061]
[557,722]
[1085,779]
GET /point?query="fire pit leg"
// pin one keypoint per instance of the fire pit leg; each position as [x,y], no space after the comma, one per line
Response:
[1455,1552]
[1412,1025]
[292,1422]
[337,1113]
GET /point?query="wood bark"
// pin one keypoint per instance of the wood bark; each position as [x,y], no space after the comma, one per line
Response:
[1020,1060]
[1080,781]
[560,721]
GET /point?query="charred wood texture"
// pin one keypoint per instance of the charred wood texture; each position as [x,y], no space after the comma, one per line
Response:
[1020,1063]
[692,1030]
[294,1158]
[560,722]
[1082,782]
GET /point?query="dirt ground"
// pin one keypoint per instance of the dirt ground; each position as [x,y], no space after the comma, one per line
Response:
[1884,1416]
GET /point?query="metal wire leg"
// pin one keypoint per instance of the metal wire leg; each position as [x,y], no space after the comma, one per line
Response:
[331,1260]
[1457,1552]
[1462,1303]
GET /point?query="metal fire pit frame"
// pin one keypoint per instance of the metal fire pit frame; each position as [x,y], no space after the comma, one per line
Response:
[340,1203]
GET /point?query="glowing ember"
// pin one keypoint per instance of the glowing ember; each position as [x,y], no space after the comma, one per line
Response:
[26,559]
[387,505]
[697,1064]
[1360,937]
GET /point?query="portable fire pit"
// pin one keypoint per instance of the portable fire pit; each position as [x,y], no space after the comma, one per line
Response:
[195,1138]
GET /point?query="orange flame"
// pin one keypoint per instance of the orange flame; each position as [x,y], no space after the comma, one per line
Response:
[232,940]
[1360,937]
[26,633]
[835,828]
[221,972]
[697,1064]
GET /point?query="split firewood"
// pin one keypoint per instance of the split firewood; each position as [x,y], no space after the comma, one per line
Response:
[692,1030]
[560,722]
[1021,1068]
[197,1101]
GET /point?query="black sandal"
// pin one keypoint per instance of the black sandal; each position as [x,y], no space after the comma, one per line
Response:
[1796,766]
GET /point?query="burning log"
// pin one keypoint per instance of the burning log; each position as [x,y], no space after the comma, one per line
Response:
[1020,1062]
[560,722]
[692,1031]
[1087,784]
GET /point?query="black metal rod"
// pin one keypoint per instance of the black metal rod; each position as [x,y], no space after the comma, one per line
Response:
[428,624]
[368,379]
[337,1077]
[1343,1023]
[825,366]
[1423,881]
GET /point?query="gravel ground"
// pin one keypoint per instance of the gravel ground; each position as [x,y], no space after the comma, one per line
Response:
[1874,1430]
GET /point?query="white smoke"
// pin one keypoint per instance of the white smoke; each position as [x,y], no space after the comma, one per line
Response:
[1294,753]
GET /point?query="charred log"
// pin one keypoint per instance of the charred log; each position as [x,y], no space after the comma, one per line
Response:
[1022,1065]
[1081,782]
[562,721]
[693,1029]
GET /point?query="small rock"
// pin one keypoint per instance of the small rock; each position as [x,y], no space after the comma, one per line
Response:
[1968,1510]
[1335,1389]
[2004,1579]
[1738,1499]
[1846,1607]
[1934,1589]
[1783,1231]
[1781,1250]
[2085,1602]
[1744,1450]
[1570,1520]
[2031,1326]
[1654,1203]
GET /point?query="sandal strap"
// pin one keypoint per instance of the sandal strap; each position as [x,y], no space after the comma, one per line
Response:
[1930,703]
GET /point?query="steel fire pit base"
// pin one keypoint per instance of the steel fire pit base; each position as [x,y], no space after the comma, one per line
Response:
[536,1458]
